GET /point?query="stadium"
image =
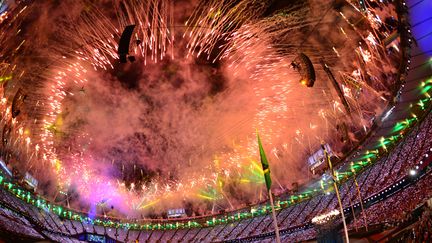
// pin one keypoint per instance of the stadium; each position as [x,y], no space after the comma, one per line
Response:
[216,121]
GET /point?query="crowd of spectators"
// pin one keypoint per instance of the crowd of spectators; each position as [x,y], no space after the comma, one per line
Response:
[423,229]
[409,154]
[24,219]
[388,171]
[420,231]
[396,209]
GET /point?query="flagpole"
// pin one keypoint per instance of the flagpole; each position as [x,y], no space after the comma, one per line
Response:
[274,217]
[361,202]
[341,210]
[352,208]
[267,178]
[336,190]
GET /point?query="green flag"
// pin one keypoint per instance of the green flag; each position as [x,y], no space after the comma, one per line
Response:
[265,164]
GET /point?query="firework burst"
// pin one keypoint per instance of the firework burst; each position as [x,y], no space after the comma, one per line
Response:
[186,130]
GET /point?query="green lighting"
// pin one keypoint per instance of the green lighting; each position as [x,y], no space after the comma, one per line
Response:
[426,86]
[5,78]
[252,174]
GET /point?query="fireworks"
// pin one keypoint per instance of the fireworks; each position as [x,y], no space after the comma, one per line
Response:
[186,130]
[213,22]
[94,35]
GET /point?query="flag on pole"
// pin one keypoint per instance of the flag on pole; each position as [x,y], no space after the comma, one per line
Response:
[265,164]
